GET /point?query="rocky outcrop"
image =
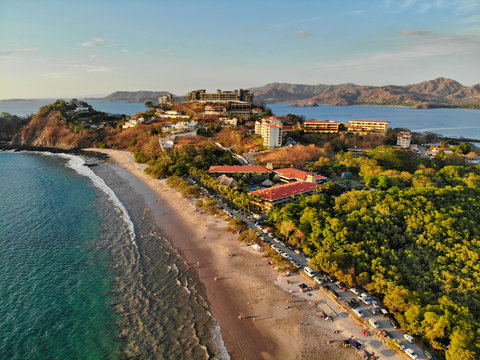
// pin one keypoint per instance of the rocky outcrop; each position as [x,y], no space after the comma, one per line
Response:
[49,130]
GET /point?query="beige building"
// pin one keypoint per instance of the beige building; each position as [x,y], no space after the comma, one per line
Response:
[363,127]
[323,126]
[404,139]
[270,129]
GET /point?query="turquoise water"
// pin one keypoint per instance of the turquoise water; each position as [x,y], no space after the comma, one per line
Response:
[447,122]
[55,280]
[86,272]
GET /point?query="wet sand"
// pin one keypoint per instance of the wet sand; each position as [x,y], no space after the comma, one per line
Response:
[242,295]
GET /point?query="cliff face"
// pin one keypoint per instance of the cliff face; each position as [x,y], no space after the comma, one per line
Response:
[438,91]
[49,130]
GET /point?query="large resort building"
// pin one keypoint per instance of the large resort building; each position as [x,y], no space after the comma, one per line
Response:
[283,194]
[270,129]
[221,96]
[363,127]
[322,126]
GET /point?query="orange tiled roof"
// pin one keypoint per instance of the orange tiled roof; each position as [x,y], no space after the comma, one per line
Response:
[283,191]
[238,169]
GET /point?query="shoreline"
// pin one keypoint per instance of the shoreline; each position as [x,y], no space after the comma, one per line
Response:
[236,280]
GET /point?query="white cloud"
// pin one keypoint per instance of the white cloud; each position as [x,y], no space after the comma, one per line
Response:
[124,51]
[303,33]
[113,45]
[409,33]
[430,48]
[99,40]
[89,44]
[61,75]
[93,56]
[30,49]
[422,6]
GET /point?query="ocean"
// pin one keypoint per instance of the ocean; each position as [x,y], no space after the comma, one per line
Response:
[448,122]
[86,272]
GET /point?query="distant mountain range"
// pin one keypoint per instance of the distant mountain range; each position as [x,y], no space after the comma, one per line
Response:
[135,96]
[440,92]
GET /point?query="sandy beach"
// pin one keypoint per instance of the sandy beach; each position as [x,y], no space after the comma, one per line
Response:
[259,318]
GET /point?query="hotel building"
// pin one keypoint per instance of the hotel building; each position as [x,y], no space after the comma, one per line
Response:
[322,126]
[270,129]
[363,127]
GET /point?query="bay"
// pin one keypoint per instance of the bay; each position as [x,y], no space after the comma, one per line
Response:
[447,122]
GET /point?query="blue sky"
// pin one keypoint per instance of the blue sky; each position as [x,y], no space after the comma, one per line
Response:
[71,48]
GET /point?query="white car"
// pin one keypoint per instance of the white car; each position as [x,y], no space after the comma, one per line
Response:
[355,291]
[411,353]
[409,338]
[358,312]
[399,344]
[373,323]
[318,280]
[375,304]
[364,300]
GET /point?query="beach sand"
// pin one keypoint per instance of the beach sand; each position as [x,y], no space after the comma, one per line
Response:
[237,280]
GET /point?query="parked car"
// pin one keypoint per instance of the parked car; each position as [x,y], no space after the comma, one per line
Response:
[355,291]
[399,344]
[375,304]
[394,324]
[373,311]
[318,280]
[358,312]
[364,300]
[384,312]
[409,338]
[308,270]
[373,323]
[411,353]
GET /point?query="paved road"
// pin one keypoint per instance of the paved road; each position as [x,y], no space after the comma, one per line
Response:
[343,296]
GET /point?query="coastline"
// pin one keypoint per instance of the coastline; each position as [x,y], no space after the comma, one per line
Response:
[237,281]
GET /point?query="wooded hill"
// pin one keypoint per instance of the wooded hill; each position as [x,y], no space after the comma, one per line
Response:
[438,92]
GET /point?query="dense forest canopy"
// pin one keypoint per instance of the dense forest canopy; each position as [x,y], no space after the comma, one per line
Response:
[417,248]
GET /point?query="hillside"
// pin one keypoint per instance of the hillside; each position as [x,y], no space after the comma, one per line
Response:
[432,93]
[135,96]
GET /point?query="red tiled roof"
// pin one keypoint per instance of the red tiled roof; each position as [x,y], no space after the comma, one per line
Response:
[283,191]
[238,169]
[377,121]
[321,122]
[291,173]
[273,125]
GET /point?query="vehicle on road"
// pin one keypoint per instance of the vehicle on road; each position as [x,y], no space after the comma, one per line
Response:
[358,312]
[409,338]
[308,270]
[411,353]
[364,300]
[355,291]
[394,324]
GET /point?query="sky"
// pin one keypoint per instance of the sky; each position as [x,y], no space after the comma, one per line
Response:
[65,48]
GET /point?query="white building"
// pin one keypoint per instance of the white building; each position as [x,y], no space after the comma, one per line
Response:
[404,139]
[270,129]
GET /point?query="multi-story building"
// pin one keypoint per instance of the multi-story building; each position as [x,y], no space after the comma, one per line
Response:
[292,174]
[404,139]
[283,194]
[270,129]
[363,127]
[221,96]
[323,126]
